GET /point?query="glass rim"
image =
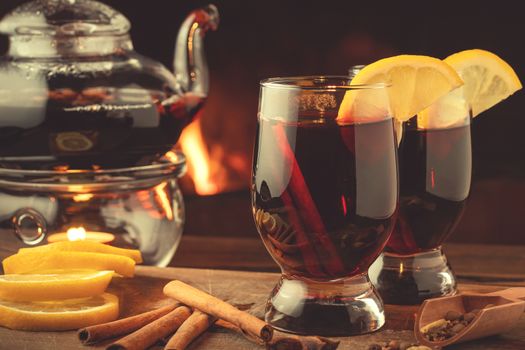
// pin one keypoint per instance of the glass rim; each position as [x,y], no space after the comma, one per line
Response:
[70,179]
[291,83]
[164,163]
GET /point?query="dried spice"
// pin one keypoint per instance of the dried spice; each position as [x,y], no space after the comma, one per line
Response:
[397,345]
[452,324]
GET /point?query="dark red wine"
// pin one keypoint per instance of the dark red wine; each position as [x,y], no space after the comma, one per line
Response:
[435,173]
[109,128]
[325,194]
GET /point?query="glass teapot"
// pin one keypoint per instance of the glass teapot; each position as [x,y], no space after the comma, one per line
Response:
[74,94]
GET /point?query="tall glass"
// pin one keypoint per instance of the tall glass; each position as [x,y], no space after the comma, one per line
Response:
[324,197]
[435,166]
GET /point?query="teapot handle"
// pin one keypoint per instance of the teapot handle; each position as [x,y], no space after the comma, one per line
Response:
[29,226]
[191,69]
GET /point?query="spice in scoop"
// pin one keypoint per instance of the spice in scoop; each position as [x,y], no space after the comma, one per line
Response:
[397,345]
[452,324]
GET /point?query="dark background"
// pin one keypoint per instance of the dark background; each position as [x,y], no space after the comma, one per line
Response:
[260,39]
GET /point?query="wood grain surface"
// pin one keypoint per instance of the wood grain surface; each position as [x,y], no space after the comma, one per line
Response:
[481,268]
[475,262]
[249,289]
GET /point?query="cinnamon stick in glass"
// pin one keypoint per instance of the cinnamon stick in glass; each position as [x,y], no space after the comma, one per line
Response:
[100,332]
[194,326]
[211,305]
[311,261]
[154,331]
[300,193]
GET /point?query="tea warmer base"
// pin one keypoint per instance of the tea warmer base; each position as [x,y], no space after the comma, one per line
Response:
[136,208]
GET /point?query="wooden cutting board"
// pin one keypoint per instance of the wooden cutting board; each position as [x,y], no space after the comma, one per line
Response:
[144,292]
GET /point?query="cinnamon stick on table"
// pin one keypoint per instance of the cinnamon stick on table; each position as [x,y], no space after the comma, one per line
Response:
[211,305]
[287,341]
[98,333]
[295,342]
[234,328]
[194,326]
[151,333]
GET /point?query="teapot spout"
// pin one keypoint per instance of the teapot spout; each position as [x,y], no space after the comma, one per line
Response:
[191,69]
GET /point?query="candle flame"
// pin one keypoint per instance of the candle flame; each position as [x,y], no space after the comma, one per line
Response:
[76,234]
[82,197]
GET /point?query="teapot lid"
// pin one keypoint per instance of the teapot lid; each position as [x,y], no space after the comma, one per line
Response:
[64,18]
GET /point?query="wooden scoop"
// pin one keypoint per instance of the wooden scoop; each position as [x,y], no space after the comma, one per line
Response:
[492,320]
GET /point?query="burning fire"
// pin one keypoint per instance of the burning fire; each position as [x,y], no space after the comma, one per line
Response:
[76,234]
[199,161]
[215,164]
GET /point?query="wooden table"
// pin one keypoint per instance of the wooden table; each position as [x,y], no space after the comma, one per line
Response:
[479,268]
[471,262]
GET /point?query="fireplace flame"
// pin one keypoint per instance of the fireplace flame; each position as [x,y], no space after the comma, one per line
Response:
[76,234]
[198,158]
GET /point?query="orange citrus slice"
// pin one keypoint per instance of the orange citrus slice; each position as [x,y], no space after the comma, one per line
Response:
[43,261]
[59,315]
[87,246]
[488,81]
[416,82]
[65,284]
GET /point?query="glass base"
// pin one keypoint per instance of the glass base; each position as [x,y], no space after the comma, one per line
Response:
[344,307]
[410,279]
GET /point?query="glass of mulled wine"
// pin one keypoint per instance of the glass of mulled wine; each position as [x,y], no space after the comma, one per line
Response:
[324,198]
[435,165]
